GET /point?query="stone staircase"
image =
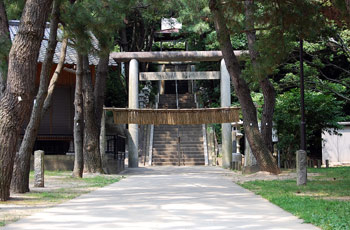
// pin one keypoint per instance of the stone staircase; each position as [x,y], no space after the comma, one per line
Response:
[165,143]
[169,101]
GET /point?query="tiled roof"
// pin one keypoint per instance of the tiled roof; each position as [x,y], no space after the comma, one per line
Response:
[71,53]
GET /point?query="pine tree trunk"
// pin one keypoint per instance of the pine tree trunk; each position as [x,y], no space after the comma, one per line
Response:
[20,177]
[5,42]
[18,96]
[92,157]
[268,110]
[262,154]
[99,94]
[100,87]
[78,121]
[55,77]
[265,84]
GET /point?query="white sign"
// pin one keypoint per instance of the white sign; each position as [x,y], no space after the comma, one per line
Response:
[170,23]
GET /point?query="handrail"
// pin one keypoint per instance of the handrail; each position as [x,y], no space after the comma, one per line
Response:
[157,100]
[216,146]
[177,95]
[205,144]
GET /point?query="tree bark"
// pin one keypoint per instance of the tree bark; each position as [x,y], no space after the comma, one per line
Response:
[100,87]
[260,150]
[347,3]
[55,77]
[78,121]
[265,84]
[92,157]
[18,96]
[20,177]
[99,94]
[5,42]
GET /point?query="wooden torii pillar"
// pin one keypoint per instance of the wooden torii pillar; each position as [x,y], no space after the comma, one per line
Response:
[176,56]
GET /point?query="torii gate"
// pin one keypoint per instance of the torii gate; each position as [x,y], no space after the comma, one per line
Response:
[176,56]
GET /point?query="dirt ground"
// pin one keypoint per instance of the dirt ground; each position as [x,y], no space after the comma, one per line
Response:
[285,175]
[58,188]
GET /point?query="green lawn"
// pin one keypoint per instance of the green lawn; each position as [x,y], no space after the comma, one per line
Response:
[324,201]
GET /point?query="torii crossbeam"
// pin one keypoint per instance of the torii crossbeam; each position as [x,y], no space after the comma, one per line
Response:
[176,56]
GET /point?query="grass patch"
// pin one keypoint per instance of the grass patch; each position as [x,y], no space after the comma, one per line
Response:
[55,196]
[100,181]
[320,202]
[77,186]
[2,224]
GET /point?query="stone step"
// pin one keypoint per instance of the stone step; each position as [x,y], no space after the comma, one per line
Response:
[185,139]
[165,146]
[171,100]
[181,102]
[180,133]
[189,156]
[184,150]
[176,164]
[175,156]
[174,134]
[172,160]
[188,147]
[174,145]
[174,142]
[174,152]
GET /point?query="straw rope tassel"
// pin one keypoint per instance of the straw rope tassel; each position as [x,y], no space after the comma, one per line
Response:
[175,116]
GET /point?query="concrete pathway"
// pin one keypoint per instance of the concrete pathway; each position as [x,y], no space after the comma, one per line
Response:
[166,198]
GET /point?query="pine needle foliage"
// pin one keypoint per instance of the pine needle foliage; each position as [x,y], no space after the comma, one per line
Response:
[86,20]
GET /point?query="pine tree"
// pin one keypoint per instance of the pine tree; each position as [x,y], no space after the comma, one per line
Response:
[86,21]
[18,96]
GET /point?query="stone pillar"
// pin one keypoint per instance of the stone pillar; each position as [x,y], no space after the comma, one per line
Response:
[236,154]
[133,138]
[301,167]
[39,168]
[161,83]
[211,146]
[250,164]
[236,161]
[225,90]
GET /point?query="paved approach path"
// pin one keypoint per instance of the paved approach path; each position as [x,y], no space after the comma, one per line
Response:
[166,198]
